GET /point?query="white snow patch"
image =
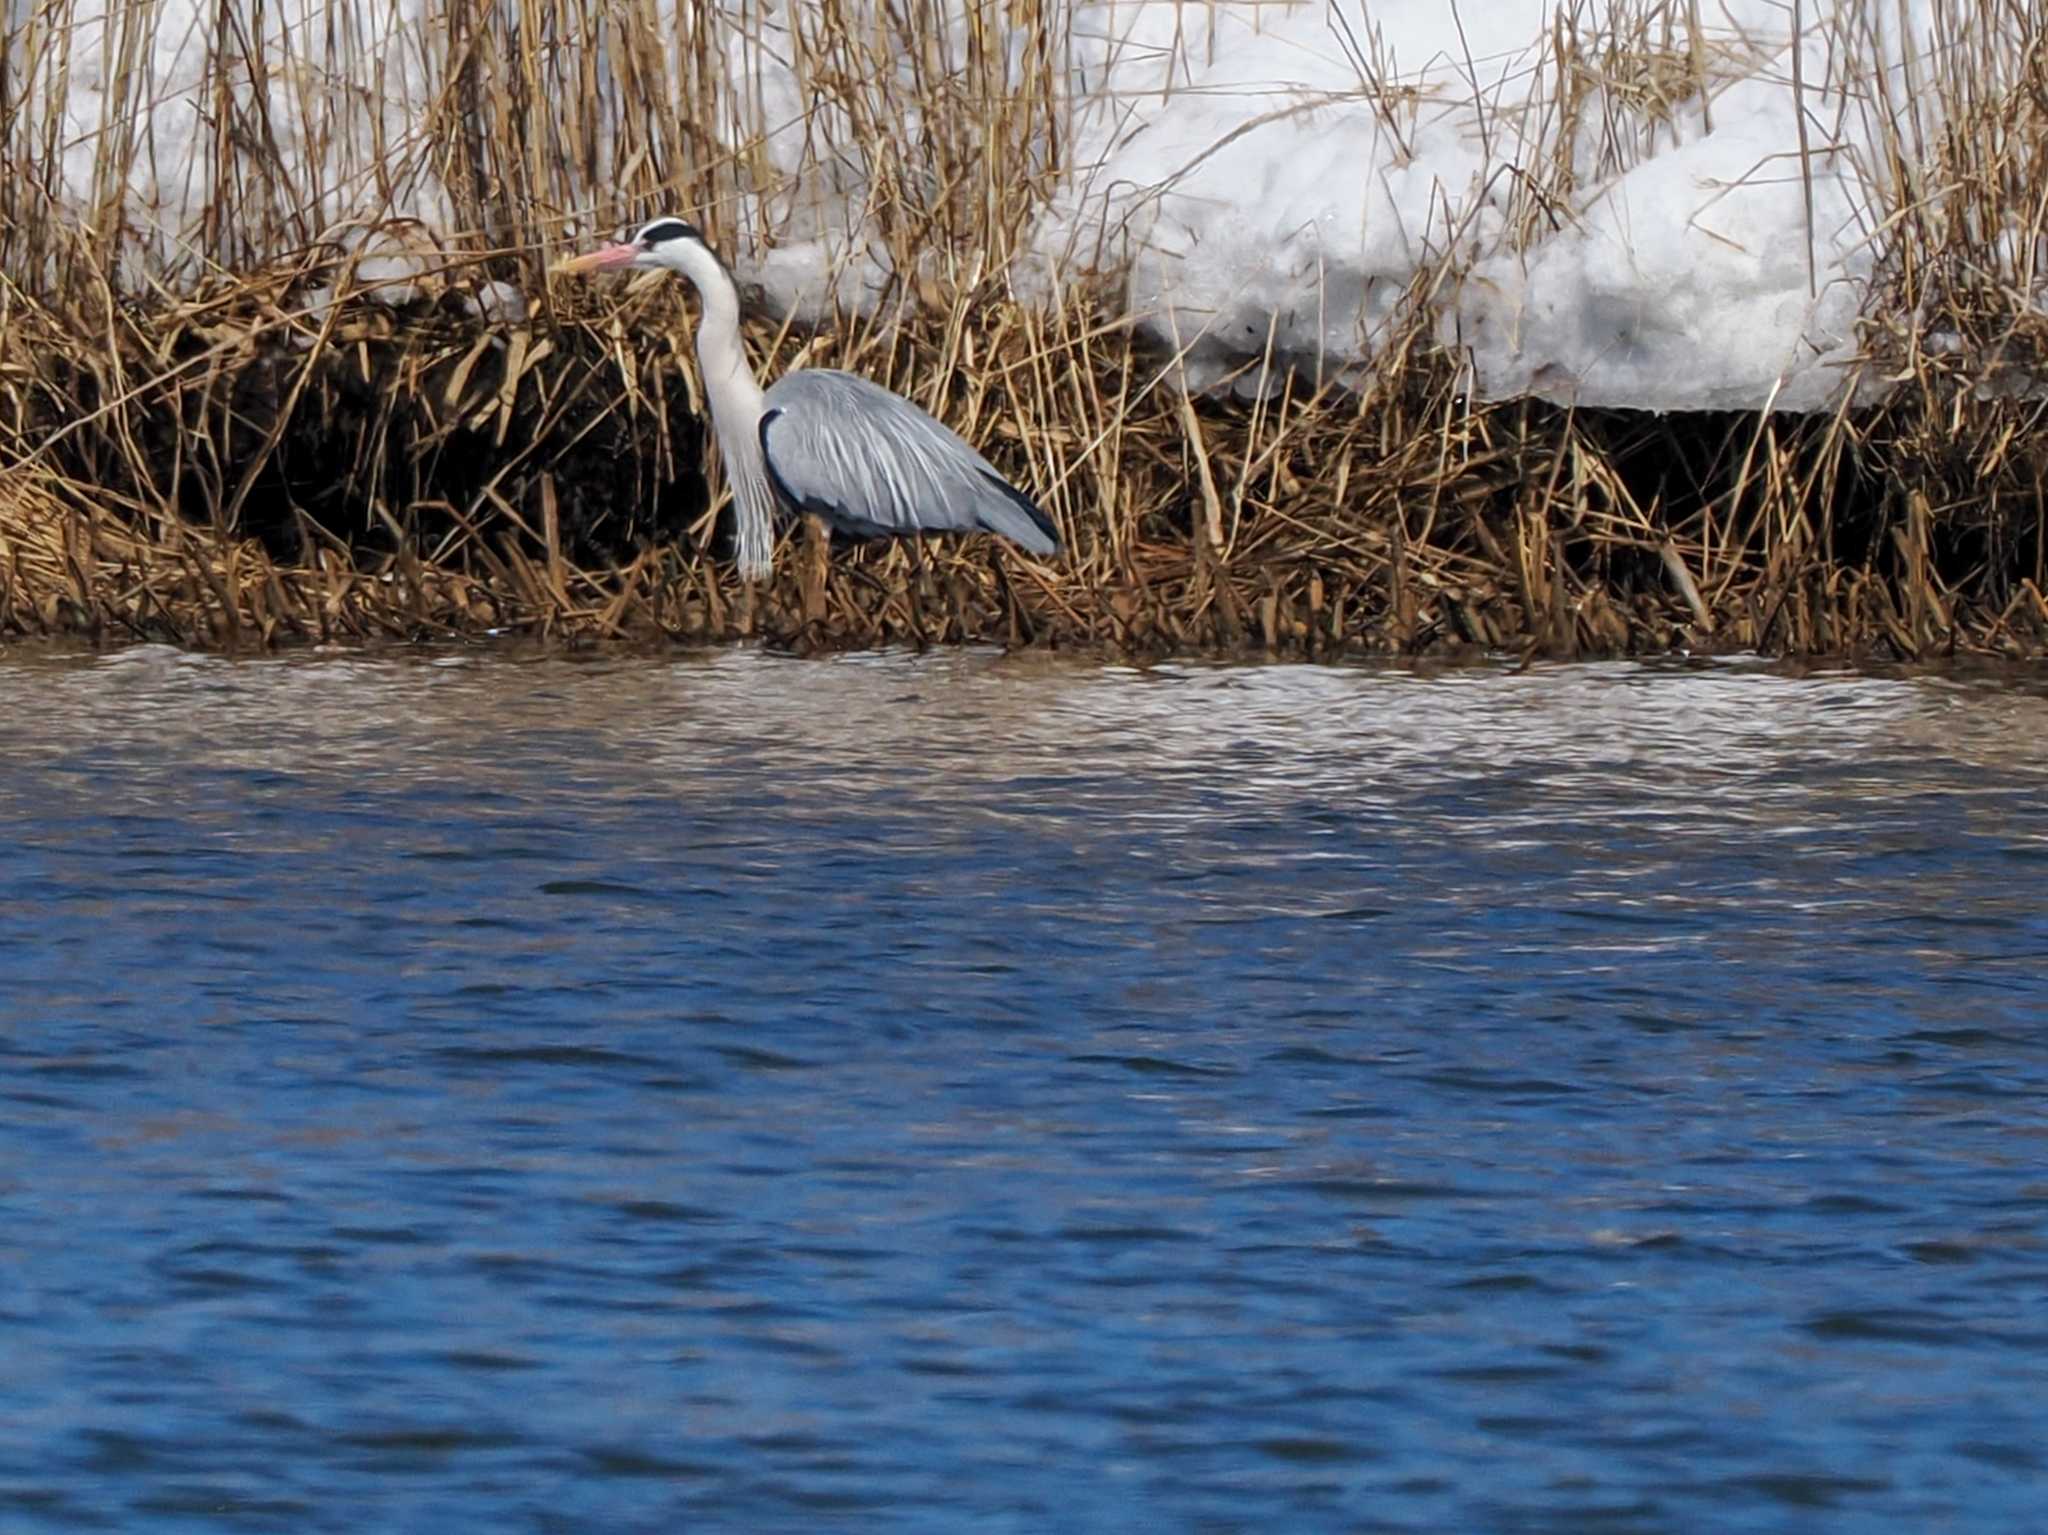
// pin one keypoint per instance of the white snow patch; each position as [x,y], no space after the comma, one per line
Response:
[1268,173]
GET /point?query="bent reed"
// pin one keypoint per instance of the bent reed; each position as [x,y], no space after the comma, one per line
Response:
[284,449]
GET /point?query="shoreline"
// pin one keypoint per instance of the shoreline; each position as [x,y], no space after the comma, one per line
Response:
[548,479]
[229,596]
[310,381]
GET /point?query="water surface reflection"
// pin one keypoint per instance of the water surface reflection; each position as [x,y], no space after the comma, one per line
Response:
[500,1092]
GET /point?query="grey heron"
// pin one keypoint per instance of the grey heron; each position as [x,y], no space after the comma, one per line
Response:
[865,461]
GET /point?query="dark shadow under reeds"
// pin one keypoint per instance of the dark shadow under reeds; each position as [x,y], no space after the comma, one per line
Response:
[276,478]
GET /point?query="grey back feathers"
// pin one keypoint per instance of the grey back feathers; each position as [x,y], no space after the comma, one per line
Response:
[873,464]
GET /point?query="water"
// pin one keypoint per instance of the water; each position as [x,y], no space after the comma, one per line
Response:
[730,1092]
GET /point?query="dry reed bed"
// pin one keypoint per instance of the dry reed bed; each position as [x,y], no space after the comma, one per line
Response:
[253,460]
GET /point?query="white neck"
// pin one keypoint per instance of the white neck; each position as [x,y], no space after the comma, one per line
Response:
[736,405]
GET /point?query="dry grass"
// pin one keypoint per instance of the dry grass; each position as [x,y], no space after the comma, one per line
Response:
[266,453]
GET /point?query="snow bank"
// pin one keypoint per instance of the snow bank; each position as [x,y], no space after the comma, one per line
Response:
[1259,169]
[1288,167]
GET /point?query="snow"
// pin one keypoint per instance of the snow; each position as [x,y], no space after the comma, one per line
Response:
[1266,173]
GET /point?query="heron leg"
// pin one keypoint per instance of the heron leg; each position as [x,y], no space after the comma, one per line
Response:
[917,593]
[1006,595]
[743,610]
[817,568]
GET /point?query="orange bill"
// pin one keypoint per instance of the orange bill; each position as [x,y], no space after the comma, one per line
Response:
[602,259]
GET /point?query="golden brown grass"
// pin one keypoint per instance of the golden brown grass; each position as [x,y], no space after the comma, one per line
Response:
[264,453]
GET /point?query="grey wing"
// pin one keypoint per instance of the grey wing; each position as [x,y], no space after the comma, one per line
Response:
[872,463]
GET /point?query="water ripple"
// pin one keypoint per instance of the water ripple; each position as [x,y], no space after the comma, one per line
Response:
[514,1092]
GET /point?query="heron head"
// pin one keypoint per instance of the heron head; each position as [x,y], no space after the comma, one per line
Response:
[664,242]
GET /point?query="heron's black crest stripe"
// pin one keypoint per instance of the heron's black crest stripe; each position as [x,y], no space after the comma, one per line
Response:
[663,230]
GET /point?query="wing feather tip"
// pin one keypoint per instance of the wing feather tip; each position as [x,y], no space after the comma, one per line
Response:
[1048,539]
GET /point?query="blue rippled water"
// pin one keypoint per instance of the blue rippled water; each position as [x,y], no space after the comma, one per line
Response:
[485,1093]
